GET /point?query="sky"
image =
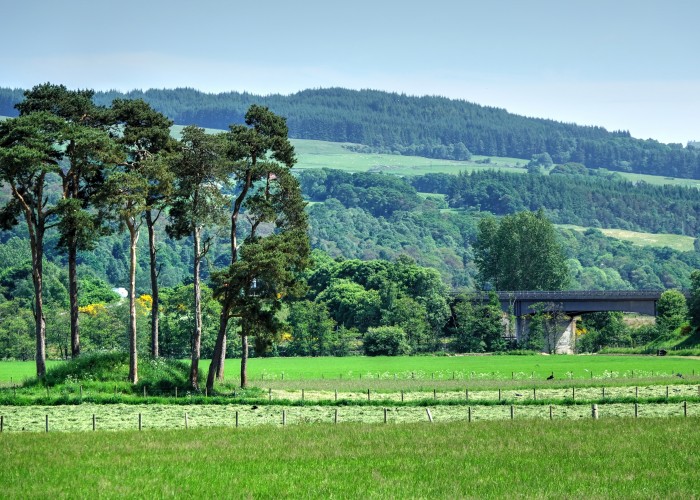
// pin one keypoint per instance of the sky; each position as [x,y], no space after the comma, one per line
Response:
[621,64]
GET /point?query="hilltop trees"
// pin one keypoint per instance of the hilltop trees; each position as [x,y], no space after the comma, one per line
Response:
[520,252]
[270,244]
[86,147]
[198,202]
[28,155]
[145,138]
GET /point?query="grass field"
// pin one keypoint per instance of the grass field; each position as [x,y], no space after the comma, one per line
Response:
[424,368]
[620,458]
[116,417]
[675,241]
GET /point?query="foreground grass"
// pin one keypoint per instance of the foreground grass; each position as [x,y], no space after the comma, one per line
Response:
[620,458]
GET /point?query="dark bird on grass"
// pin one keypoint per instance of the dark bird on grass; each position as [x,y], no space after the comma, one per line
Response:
[679,375]
[254,407]
[519,395]
[551,377]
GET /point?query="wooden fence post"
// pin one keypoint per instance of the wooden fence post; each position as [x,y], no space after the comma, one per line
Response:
[139,421]
[144,391]
[636,392]
[550,413]
[175,392]
[47,423]
[469,413]
[2,422]
[385,415]
[685,408]
[236,418]
[187,424]
[666,392]
[270,393]
[636,410]
[284,417]
[402,395]
[335,416]
[594,411]
[94,422]
[367,394]
[512,412]
[534,393]
[603,392]
[430,417]
[434,394]
[499,394]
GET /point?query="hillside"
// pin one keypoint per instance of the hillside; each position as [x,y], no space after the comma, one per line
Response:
[428,126]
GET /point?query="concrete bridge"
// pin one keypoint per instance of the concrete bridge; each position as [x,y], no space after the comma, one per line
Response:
[575,303]
[568,305]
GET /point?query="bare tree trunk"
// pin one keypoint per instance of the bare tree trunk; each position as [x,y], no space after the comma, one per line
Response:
[219,346]
[154,284]
[133,362]
[40,322]
[244,358]
[197,334]
[222,361]
[73,293]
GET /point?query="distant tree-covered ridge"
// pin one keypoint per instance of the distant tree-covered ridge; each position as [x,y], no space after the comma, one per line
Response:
[593,201]
[429,126]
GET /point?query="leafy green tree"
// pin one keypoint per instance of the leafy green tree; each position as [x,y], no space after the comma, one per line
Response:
[271,246]
[386,341]
[521,252]
[17,339]
[198,203]
[178,321]
[86,146]
[312,330]
[477,323]
[351,305]
[145,137]
[672,310]
[123,197]
[603,329]
[28,155]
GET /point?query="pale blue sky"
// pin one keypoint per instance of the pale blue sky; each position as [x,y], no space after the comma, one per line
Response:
[622,64]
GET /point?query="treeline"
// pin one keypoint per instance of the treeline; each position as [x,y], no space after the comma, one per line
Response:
[596,201]
[73,171]
[429,125]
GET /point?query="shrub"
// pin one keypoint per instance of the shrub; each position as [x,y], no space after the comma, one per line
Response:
[386,341]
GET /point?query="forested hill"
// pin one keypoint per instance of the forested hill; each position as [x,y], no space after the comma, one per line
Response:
[426,126]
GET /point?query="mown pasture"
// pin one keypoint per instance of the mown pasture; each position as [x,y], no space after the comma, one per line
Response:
[622,457]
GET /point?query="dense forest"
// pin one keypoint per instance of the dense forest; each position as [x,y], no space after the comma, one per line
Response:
[587,200]
[429,126]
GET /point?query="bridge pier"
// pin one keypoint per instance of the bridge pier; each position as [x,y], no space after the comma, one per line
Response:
[559,335]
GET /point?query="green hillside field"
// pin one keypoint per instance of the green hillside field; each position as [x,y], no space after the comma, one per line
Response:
[675,241]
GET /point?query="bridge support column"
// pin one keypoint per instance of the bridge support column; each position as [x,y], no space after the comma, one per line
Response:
[560,335]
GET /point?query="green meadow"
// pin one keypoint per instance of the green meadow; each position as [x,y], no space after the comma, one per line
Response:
[675,241]
[619,458]
[428,368]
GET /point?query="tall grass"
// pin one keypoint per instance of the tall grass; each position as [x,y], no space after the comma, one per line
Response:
[621,458]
